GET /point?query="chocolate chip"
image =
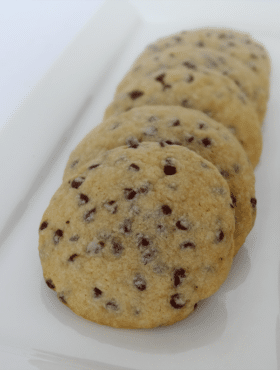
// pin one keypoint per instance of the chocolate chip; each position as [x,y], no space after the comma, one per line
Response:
[44,225]
[189,139]
[236,168]
[143,242]
[185,103]
[182,225]
[160,228]
[74,238]
[177,38]
[166,210]
[93,166]
[253,56]
[83,199]
[50,284]
[111,206]
[177,301]
[187,244]
[162,144]
[210,63]
[148,255]
[129,193]
[115,125]
[178,275]
[139,282]
[166,87]
[176,123]
[112,305]
[233,198]
[143,189]
[190,79]
[253,68]
[67,222]
[134,167]
[253,202]
[57,236]
[219,236]
[224,173]
[132,142]
[195,306]
[135,94]
[206,142]
[126,226]
[97,293]
[73,164]
[200,44]
[168,142]
[202,126]
[189,65]
[237,82]
[71,258]
[76,183]
[88,217]
[160,78]
[169,170]
[95,247]
[117,248]
[62,299]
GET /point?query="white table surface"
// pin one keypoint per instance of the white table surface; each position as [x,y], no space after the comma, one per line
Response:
[33,33]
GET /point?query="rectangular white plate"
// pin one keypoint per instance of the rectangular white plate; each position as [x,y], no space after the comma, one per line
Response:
[238,327]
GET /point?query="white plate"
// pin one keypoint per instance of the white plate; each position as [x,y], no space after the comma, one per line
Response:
[238,327]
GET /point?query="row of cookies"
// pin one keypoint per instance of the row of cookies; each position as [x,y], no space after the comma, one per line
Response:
[157,199]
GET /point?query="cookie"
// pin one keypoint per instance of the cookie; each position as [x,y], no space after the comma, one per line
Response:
[203,59]
[239,45]
[185,127]
[137,240]
[212,93]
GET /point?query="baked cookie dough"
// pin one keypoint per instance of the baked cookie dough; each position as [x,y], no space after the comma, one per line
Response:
[185,127]
[239,45]
[212,93]
[141,236]
[203,59]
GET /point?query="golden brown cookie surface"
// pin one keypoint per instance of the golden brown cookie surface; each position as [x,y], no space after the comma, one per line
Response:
[239,45]
[212,93]
[131,242]
[185,127]
[203,59]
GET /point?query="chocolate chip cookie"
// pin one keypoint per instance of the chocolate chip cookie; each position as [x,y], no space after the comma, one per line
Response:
[212,93]
[203,59]
[139,237]
[239,45]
